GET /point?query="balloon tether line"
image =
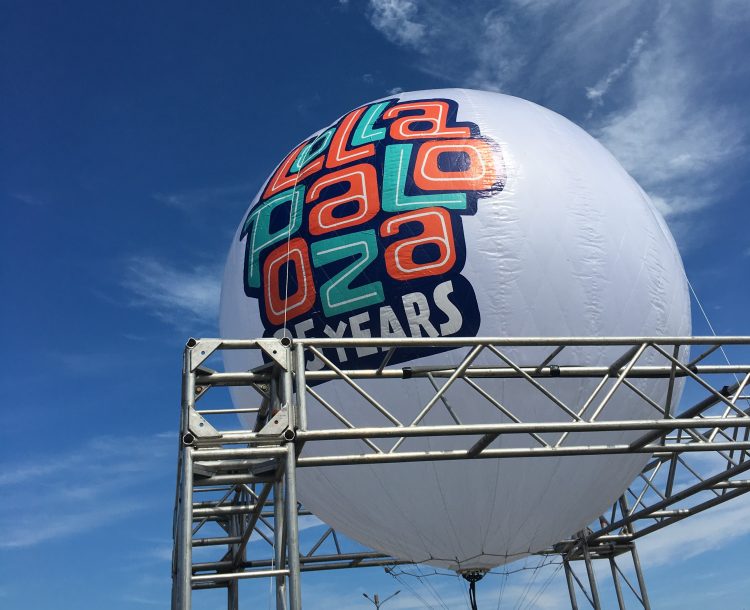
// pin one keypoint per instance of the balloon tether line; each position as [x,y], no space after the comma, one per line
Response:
[292,211]
[710,326]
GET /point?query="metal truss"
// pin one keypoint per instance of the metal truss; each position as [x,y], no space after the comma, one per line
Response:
[238,485]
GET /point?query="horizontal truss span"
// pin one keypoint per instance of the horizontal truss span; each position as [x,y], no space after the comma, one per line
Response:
[576,372]
[236,486]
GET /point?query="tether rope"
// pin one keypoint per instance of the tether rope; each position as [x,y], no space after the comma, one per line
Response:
[710,326]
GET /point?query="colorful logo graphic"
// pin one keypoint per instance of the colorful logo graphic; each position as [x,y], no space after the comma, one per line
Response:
[359,231]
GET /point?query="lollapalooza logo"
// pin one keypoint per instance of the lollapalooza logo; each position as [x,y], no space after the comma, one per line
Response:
[359,230]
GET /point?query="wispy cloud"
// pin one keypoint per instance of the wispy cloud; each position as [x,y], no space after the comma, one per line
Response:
[197,201]
[176,295]
[71,493]
[524,47]
[28,199]
[672,137]
[27,531]
[397,20]
[599,90]
[144,601]
[86,362]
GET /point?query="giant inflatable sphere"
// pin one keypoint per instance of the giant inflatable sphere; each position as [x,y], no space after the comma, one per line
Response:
[456,213]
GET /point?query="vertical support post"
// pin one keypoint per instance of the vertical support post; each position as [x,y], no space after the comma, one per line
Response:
[287,394]
[299,378]
[279,542]
[292,528]
[185,559]
[634,554]
[592,577]
[233,594]
[616,580]
[670,387]
[183,581]
[273,393]
[639,576]
[234,530]
[571,585]
[667,415]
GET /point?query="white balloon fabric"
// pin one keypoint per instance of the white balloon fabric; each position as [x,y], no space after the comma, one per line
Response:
[456,213]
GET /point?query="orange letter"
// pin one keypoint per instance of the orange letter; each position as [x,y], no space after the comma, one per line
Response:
[362,182]
[436,230]
[476,175]
[281,306]
[434,113]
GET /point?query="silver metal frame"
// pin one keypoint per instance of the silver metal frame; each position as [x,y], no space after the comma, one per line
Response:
[243,482]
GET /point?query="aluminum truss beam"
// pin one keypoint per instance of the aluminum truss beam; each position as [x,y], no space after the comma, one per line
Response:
[236,485]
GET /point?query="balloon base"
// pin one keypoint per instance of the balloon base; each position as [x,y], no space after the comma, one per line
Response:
[473,575]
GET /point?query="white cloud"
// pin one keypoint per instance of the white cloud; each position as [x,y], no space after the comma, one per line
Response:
[174,295]
[397,20]
[599,90]
[75,492]
[499,58]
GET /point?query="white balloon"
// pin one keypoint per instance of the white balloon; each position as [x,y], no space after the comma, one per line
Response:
[535,230]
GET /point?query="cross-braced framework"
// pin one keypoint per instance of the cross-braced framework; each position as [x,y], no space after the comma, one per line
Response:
[235,485]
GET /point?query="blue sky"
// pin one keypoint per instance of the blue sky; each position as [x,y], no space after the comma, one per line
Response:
[134,135]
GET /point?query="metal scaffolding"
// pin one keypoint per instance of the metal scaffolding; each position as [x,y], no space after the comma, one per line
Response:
[242,482]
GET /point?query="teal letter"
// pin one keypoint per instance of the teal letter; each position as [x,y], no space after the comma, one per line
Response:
[395,171]
[260,236]
[364,134]
[337,294]
[312,150]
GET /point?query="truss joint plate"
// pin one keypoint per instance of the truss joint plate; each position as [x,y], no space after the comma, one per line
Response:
[199,426]
[278,350]
[199,350]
